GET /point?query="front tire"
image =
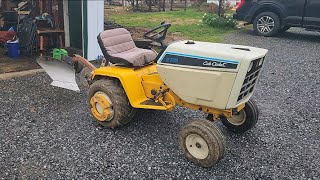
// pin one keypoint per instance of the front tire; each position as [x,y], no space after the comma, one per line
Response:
[245,120]
[267,24]
[109,103]
[202,143]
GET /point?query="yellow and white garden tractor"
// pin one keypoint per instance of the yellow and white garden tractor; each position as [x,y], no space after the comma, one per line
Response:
[217,79]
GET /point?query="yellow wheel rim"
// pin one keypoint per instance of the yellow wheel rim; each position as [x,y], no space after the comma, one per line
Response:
[102,107]
[197,146]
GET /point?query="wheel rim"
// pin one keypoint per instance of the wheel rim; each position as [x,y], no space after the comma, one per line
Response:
[265,24]
[197,146]
[238,119]
[102,106]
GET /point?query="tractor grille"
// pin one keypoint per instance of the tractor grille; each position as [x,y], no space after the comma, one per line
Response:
[251,79]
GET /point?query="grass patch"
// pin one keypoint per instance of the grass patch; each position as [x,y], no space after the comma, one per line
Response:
[187,24]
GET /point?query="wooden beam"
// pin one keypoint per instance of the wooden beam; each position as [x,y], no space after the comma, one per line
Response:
[66,23]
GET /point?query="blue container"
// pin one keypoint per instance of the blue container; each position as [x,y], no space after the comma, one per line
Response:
[13,50]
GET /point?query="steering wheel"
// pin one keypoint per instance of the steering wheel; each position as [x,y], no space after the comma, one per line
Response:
[158,34]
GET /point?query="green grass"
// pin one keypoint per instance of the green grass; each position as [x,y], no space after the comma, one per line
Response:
[187,24]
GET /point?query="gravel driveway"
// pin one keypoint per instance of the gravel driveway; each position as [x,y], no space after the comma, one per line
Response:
[46,132]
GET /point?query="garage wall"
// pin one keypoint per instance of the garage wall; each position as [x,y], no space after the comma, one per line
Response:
[93,25]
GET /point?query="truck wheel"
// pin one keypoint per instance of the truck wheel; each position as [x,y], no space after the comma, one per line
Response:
[203,144]
[266,24]
[245,120]
[109,103]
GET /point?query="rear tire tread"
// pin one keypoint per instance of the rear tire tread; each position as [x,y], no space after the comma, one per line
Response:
[211,135]
[123,111]
[217,133]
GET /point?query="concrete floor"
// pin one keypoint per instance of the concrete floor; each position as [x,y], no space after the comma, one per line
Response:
[22,63]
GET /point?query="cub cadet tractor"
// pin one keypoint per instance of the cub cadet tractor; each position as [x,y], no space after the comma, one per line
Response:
[217,79]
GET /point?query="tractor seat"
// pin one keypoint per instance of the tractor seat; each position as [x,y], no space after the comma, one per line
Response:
[119,48]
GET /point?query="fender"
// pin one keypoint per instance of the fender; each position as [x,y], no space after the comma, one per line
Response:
[267,5]
[130,79]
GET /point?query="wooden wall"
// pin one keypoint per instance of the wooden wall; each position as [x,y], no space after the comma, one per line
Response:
[52,7]
[7,5]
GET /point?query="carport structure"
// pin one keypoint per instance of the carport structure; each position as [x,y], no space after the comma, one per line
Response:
[79,20]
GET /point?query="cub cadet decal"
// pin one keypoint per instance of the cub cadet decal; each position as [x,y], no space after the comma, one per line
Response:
[200,61]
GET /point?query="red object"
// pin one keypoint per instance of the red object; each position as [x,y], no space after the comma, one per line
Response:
[240,4]
[6,36]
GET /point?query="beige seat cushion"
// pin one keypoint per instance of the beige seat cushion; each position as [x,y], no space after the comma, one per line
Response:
[119,43]
[137,56]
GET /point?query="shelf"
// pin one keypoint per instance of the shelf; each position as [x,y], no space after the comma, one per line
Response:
[23,12]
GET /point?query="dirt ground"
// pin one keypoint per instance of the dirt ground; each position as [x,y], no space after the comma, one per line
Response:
[22,63]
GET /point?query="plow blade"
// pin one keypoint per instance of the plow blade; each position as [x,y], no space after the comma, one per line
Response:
[62,74]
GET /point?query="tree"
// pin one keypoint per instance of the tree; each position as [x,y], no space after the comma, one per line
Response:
[137,5]
[159,5]
[132,4]
[149,5]
[163,5]
[223,7]
[220,10]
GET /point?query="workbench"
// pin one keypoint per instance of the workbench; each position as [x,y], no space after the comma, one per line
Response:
[49,32]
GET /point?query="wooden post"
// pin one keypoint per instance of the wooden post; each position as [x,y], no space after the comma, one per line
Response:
[185,5]
[40,7]
[171,5]
[66,23]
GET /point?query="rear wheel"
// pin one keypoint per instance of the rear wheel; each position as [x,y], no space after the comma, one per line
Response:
[109,103]
[266,24]
[245,120]
[202,142]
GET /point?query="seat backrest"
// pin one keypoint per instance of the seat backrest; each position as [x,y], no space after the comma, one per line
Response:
[115,41]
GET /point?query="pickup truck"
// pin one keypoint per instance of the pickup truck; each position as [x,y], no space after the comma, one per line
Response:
[270,17]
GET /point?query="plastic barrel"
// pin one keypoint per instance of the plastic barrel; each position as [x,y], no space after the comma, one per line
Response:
[13,50]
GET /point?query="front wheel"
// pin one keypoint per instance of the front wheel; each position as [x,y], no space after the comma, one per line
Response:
[266,24]
[202,142]
[245,120]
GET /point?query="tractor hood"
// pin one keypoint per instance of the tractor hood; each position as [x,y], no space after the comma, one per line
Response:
[209,56]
